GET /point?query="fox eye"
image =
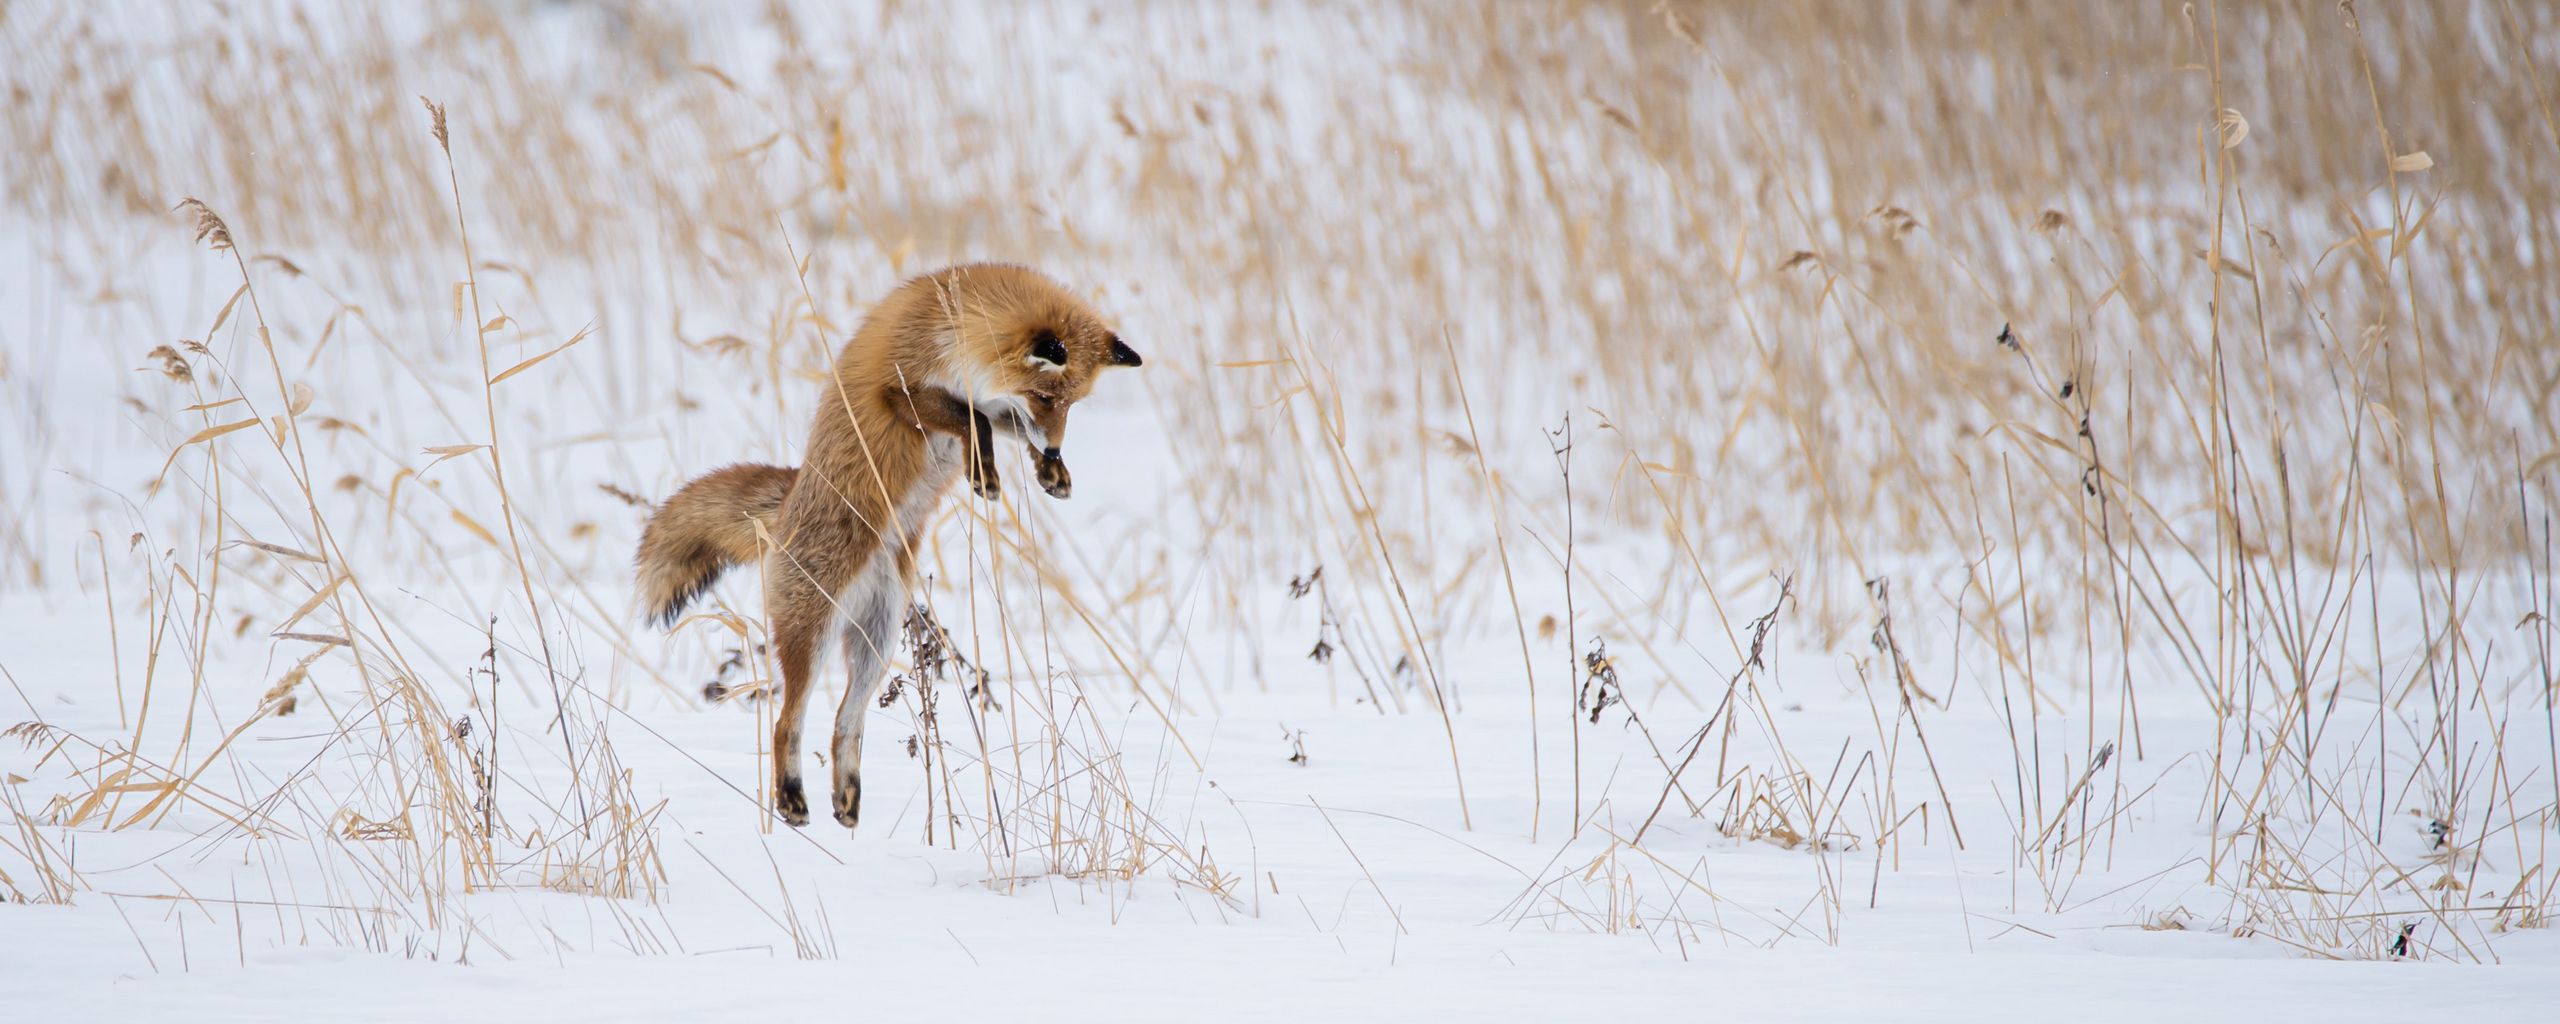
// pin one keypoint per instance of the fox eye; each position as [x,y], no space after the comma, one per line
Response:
[1046,347]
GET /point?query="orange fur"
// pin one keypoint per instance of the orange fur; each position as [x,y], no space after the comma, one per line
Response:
[946,359]
[707,527]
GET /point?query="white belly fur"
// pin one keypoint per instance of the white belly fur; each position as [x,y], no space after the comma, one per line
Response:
[878,579]
[869,609]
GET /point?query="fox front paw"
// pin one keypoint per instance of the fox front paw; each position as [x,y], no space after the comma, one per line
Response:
[983,482]
[1053,475]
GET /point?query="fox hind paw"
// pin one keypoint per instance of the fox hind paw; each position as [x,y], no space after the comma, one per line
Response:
[791,803]
[849,802]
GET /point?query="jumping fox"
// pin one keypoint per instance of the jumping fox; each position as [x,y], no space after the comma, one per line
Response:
[944,364]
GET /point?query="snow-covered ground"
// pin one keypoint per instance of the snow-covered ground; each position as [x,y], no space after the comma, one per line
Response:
[1351,888]
[1828,672]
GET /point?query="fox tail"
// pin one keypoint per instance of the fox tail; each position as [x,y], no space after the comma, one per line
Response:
[708,526]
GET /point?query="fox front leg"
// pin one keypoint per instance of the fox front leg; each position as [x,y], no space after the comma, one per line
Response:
[936,411]
[982,457]
[1049,468]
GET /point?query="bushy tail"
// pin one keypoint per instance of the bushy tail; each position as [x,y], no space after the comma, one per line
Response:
[704,529]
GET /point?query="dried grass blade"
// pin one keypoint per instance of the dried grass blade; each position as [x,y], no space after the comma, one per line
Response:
[528,364]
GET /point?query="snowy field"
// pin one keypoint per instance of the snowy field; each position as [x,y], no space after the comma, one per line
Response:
[1941,511]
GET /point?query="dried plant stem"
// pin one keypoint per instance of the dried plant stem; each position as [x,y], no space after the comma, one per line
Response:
[1560,444]
[480,329]
[1510,588]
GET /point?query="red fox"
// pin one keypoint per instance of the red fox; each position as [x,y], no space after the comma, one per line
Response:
[947,361]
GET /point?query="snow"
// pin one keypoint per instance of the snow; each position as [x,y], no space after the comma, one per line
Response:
[1363,899]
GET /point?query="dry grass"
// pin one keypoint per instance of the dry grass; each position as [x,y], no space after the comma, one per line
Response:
[2201,365]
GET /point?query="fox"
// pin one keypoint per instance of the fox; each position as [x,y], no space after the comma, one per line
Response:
[946,362]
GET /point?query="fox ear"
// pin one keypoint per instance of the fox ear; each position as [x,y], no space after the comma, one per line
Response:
[1046,348]
[1123,355]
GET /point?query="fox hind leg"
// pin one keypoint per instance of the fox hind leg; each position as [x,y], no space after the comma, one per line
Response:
[799,593]
[870,626]
[796,646]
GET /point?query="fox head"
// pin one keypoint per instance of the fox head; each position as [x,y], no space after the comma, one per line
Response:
[1028,348]
[1061,367]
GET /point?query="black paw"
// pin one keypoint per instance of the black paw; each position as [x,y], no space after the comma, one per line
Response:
[849,801]
[1053,475]
[789,802]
